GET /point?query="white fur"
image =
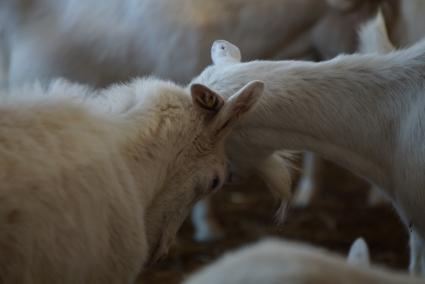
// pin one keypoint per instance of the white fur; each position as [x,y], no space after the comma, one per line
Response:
[363,112]
[373,39]
[374,36]
[277,261]
[94,185]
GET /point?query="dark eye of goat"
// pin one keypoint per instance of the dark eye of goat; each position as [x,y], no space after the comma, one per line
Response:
[215,182]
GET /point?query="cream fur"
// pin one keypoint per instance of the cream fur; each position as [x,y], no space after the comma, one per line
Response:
[95,184]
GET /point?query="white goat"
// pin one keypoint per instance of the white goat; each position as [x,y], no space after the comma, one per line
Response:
[363,112]
[373,39]
[406,26]
[94,185]
[276,261]
[307,186]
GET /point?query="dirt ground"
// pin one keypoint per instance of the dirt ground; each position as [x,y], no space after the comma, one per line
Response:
[339,214]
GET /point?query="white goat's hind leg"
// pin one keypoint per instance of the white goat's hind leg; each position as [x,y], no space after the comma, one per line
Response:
[307,186]
[417,254]
[205,226]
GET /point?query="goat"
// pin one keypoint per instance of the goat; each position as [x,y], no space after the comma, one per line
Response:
[95,184]
[277,261]
[360,111]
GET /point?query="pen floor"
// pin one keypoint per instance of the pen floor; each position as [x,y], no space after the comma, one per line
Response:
[338,215]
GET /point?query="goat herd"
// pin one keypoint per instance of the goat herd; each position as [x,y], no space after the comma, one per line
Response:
[98,175]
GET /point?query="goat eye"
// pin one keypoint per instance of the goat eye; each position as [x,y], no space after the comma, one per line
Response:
[215,182]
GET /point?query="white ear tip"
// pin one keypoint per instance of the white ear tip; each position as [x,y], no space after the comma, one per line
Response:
[223,51]
[219,42]
[360,243]
[359,253]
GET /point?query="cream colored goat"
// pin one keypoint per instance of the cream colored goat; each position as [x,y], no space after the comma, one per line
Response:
[94,185]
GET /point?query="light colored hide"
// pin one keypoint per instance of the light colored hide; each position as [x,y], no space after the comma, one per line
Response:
[374,38]
[406,26]
[95,184]
[334,34]
[276,262]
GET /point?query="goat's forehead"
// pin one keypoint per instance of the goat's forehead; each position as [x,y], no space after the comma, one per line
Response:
[200,142]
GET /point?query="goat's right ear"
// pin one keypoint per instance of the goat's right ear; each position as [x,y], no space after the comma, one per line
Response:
[206,99]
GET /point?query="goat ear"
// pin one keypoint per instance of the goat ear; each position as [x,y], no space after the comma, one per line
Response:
[206,99]
[224,52]
[359,253]
[238,105]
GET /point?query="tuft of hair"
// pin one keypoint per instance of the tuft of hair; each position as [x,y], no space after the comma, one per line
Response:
[358,255]
[373,36]
[282,212]
[276,171]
